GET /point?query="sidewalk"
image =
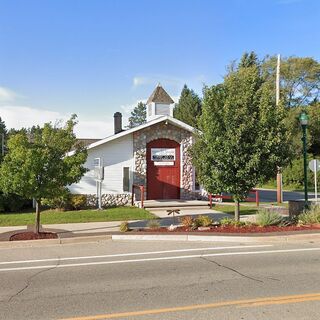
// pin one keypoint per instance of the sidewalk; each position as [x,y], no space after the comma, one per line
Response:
[69,230]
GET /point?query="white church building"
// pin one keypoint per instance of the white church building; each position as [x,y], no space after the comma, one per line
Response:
[152,158]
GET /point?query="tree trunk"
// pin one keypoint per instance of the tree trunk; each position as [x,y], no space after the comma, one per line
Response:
[37,221]
[237,210]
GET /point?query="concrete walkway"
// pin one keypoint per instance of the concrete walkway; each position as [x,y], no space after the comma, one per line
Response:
[68,230]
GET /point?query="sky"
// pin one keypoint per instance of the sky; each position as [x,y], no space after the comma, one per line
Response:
[96,57]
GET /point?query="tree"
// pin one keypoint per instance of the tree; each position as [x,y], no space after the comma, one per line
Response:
[299,79]
[138,115]
[40,165]
[189,107]
[243,138]
[3,135]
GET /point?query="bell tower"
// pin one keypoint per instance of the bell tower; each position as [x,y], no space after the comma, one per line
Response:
[159,104]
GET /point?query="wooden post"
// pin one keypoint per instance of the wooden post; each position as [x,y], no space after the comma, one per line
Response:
[132,196]
[210,200]
[279,186]
[142,196]
[257,198]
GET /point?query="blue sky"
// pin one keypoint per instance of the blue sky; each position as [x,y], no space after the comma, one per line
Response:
[96,57]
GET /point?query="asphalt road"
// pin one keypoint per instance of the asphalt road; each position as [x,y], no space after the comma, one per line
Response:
[271,195]
[161,280]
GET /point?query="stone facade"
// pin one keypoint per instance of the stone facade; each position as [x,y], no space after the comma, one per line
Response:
[109,200]
[164,131]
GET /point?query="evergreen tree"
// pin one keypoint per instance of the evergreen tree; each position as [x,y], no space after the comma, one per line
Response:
[3,136]
[138,115]
[189,107]
[243,137]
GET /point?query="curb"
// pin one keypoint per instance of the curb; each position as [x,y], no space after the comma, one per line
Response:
[310,237]
[48,242]
[193,238]
[183,238]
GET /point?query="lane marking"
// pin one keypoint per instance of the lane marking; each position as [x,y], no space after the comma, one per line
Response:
[132,254]
[159,259]
[267,300]
[284,301]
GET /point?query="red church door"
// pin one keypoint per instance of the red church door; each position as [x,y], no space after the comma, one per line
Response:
[163,169]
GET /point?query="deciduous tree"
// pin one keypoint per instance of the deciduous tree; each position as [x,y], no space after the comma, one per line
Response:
[39,165]
[243,138]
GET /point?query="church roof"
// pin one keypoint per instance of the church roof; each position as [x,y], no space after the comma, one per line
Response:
[166,119]
[159,95]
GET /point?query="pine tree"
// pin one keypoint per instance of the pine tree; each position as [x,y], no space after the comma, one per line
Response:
[243,137]
[3,136]
[189,107]
[138,115]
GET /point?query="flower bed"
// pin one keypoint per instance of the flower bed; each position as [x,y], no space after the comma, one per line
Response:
[33,236]
[234,229]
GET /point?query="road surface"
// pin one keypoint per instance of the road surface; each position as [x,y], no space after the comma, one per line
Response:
[161,280]
[271,195]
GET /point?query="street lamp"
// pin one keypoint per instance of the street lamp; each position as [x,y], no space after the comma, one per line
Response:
[304,122]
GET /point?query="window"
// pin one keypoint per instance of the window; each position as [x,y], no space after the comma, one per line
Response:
[126,179]
[196,181]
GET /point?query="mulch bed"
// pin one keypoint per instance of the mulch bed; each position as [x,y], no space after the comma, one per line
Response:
[33,236]
[232,229]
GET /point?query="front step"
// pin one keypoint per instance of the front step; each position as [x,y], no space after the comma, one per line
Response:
[179,204]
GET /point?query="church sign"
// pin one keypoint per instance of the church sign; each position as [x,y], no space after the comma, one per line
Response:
[163,156]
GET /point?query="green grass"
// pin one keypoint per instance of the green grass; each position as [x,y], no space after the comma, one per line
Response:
[53,217]
[244,210]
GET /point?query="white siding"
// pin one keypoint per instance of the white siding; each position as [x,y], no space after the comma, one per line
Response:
[116,154]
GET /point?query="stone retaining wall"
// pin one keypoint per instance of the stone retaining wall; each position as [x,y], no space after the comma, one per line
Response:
[109,200]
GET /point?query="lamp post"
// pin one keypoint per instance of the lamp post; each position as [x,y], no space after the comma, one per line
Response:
[304,122]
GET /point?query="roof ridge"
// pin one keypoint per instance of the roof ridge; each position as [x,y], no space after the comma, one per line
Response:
[159,95]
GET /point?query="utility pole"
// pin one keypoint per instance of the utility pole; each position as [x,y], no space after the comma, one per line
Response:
[279,173]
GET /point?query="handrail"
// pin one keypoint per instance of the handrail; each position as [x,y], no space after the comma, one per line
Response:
[249,199]
[141,188]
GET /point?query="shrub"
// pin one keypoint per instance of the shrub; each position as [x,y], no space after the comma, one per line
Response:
[60,202]
[153,224]
[124,226]
[231,222]
[78,201]
[203,221]
[13,203]
[187,221]
[310,216]
[293,174]
[268,218]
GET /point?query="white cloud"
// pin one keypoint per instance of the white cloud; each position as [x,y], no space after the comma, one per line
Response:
[138,81]
[7,94]
[22,116]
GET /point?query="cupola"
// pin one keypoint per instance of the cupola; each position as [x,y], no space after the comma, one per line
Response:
[159,104]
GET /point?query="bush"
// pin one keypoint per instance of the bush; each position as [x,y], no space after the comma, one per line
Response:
[124,226]
[153,224]
[78,201]
[310,216]
[13,203]
[187,221]
[293,174]
[268,218]
[231,222]
[203,221]
[59,202]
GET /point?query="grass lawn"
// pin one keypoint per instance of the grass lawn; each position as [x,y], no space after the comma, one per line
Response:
[230,209]
[52,217]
